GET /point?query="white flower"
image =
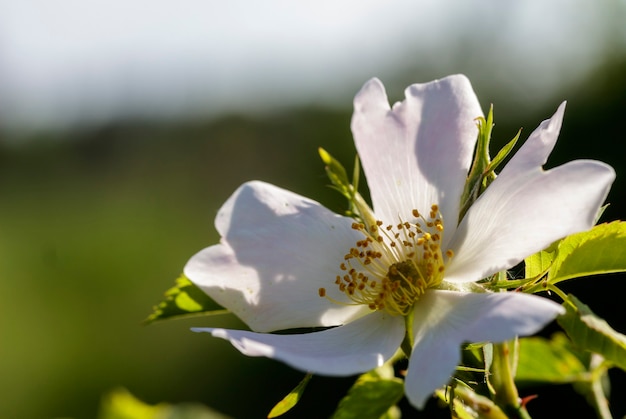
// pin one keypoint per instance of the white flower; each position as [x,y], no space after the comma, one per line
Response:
[280,252]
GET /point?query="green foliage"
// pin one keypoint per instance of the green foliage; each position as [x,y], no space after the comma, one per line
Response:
[558,361]
[290,399]
[548,361]
[600,250]
[583,361]
[482,172]
[120,404]
[597,251]
[374,395]
[473,184]
[337,174]
[358,208]
[591,333]
[502,154]
[467,404]
[183,300]
[538,264]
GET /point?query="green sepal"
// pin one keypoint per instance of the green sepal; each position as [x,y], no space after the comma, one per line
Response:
[356,172]
[502,154]
[358,208]
[482,172]
[336,173]
[291,399]
[474,181]
[185,299]
[373,395]
[589,332]
[548,361]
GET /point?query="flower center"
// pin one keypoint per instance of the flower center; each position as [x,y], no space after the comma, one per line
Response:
[392,266]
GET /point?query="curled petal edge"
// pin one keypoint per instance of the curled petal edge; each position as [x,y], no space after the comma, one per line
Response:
[353,348]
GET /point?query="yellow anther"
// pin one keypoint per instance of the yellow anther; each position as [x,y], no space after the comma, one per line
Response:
[390,268]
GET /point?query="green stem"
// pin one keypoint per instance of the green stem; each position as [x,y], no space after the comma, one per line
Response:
[407,343]
[600,403]
[510,283]
[599,400]
[503,382]
[558,292]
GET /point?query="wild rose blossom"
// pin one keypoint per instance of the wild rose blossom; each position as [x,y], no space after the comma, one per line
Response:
[285,261]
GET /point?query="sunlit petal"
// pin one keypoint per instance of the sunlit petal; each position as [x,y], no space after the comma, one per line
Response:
[526,208]
[357,347]
[278,249]
[443,320]
[417,153]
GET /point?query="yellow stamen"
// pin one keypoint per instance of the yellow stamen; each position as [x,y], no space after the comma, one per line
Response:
[390,270]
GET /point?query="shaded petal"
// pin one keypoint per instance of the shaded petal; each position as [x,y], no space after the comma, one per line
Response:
[526,208]
[418,153]
[359,346]
[445,319]
[277,250]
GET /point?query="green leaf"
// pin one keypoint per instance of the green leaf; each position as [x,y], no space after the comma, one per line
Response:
[600,250]
[373,395]
[539,263]
[548,361]
[290,399]
[184,300]
[557,361]
[591,333]
[394,412]
[120,404]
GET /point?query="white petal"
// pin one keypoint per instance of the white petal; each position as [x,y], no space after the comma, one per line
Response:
[445,319]
[277,250]
[356,347]
[418,153]
[526,208]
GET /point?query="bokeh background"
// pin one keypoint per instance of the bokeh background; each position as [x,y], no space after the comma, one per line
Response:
[124,126]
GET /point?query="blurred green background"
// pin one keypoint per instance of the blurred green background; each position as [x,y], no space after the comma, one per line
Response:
[98,219]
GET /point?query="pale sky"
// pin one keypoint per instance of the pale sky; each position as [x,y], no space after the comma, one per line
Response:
[69,62]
